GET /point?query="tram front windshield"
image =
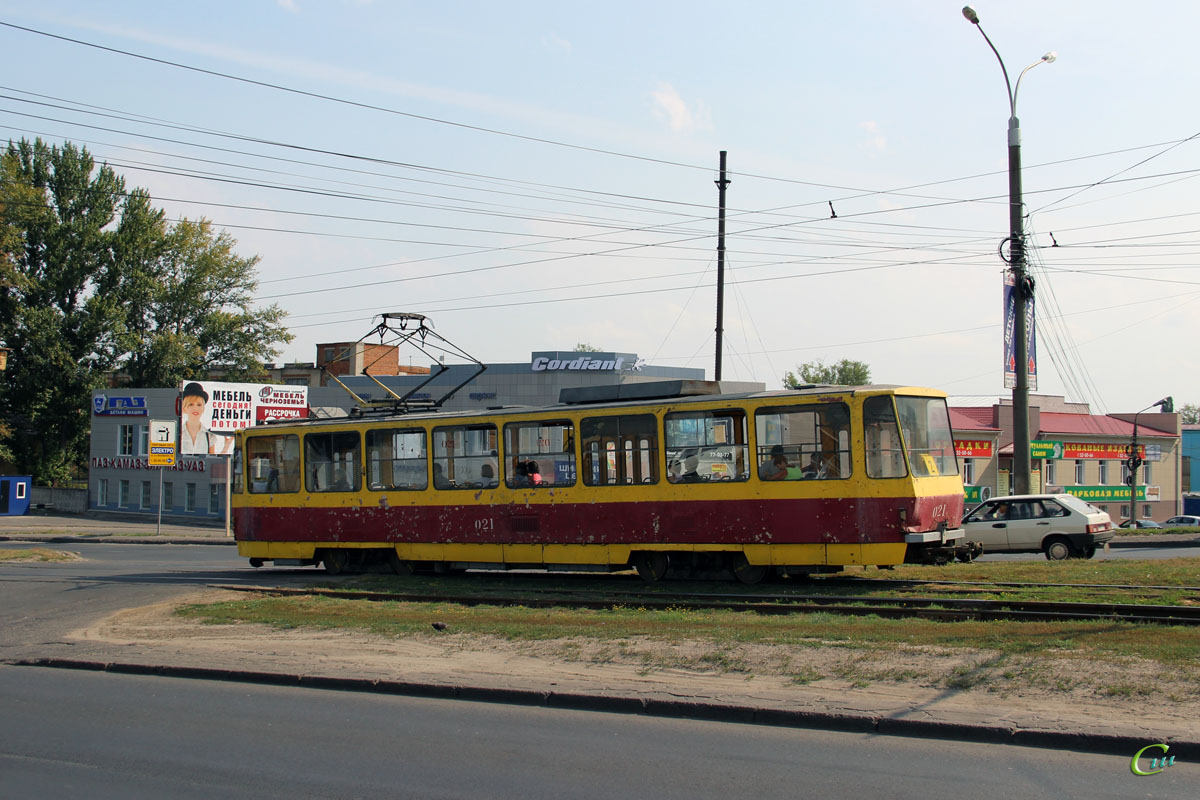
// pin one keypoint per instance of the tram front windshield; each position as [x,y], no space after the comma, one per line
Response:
[928,440]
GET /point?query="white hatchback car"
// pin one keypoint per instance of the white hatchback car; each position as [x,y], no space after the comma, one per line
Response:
[1059,525]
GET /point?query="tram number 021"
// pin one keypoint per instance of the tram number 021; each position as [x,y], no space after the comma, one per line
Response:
[485,524]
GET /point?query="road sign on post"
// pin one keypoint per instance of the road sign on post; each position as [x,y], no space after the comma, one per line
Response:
[162,443]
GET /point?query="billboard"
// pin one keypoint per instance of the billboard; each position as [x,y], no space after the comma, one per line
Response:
[211,412]
[1010,333]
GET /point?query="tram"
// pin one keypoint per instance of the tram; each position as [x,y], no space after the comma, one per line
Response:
[666,478]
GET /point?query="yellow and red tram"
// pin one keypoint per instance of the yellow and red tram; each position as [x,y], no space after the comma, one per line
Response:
[659,477]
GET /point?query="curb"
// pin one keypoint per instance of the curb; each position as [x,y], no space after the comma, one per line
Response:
[1106,744]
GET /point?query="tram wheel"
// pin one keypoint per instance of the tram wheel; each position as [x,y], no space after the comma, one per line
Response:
[748,573]
[651,566]
[335,561]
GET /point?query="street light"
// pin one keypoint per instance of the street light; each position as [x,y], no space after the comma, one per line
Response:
[1134,459]
[1022,282]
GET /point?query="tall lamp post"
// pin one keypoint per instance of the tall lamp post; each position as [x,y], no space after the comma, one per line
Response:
[1134,459]
[1022,282]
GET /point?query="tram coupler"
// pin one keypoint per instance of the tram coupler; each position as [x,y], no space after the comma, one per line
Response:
[943,553]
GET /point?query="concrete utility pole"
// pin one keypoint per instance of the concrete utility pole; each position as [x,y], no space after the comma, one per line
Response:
[1022,282]
[721,184]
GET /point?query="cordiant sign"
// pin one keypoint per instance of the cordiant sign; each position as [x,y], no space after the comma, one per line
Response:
[583,364]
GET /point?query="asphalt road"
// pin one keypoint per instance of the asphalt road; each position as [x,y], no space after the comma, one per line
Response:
[99,735]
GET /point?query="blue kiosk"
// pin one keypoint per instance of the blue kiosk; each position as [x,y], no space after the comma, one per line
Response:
[14,495]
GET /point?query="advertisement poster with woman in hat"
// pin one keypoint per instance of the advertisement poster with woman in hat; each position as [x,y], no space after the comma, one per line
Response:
[195,436]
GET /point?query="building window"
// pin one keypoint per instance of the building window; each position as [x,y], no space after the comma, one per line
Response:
[214,497]
[189,503]
[145,500]
[1051,472]
[1079,472]
[102,492]
[1146,473]
[1103,473]
[143,440]
[123,493]
[1146,512]
[969,471]
[1124,512]
[126,443]
[168,497]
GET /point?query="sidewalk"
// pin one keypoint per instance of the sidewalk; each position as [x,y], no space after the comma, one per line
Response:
[43,526]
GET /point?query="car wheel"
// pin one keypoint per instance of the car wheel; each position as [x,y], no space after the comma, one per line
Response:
[1088,552]
[1057,548]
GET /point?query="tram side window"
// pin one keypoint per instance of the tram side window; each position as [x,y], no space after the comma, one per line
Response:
[396,459]
[803,442]
[464,455]
[539,453]
[706,446]
[331,462]
[925,422]
[619,450]
[274,463]
[885,452]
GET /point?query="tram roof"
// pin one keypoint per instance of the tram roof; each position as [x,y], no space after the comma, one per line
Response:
[618,396]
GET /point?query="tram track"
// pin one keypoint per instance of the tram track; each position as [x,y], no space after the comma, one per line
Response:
[935,608]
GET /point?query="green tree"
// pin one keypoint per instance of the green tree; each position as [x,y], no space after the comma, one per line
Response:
[93,281]
[191,303]
[843,373]
[1190,414]
[586,348]
[56,309]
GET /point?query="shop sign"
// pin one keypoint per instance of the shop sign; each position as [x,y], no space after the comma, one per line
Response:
[972,448]
[1045,448]
[105,406]
[131,462]
[1099,450]
[1107,494]
[976,494]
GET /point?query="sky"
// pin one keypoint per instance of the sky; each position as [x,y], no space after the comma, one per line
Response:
[539,175]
